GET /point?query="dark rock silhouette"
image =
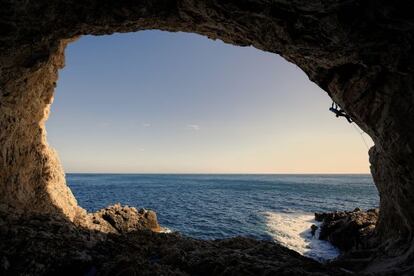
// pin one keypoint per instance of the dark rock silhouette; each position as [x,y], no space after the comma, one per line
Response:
[313,229]
[348,230]
[45,244]
[359,52]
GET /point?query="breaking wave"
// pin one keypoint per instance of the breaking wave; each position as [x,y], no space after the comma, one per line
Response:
[293,231]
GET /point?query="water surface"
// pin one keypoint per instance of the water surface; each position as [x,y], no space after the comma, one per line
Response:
[271,207]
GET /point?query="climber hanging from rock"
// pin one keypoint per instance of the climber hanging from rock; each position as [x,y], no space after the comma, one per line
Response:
[339,112]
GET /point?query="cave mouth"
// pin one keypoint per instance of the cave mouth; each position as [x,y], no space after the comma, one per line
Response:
[92,128]
[358,52]
[218,99]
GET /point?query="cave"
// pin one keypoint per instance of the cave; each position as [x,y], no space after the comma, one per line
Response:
[360,53]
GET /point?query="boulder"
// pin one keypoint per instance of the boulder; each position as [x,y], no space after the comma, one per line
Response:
[348,229]
[123,219]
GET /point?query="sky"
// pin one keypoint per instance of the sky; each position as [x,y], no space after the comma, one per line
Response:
[160,102]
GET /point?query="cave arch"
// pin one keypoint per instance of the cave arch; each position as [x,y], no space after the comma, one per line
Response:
[359,52]
[282,89]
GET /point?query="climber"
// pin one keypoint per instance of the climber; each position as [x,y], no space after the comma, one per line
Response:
[340,112]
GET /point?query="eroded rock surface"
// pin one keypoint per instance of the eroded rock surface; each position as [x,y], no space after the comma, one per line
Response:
[353,232]
[360,52]
[51,245]
[348,229]
[122,219]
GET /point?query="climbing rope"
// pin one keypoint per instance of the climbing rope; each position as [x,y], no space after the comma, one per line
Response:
[361,133]
[340,113]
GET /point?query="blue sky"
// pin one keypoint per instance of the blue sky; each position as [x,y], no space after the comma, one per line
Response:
[153,101]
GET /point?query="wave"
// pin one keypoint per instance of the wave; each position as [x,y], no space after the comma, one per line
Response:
[293,231]
[165,230]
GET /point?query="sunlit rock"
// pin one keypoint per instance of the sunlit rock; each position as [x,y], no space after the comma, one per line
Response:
[360,52]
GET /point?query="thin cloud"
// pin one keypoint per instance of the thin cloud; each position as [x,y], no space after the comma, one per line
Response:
[146,125]
[105,123]
[193,127]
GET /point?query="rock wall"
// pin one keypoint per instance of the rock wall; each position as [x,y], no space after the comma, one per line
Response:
[360,52]
[31,177]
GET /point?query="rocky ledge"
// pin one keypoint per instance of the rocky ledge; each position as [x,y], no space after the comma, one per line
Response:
[122,219]
[51,245]
[348,230]
[353,232]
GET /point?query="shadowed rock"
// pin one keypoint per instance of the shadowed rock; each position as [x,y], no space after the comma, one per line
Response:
[348,230]
[360,52]
[51,245]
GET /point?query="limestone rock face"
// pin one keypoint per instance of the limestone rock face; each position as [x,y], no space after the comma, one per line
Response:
[360,52]
[122,219]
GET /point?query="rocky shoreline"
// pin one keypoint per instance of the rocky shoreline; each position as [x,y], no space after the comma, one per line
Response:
[348,230]
[127,241]
[51,245]
[353,233]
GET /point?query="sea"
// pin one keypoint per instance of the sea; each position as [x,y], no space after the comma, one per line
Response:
[273,207]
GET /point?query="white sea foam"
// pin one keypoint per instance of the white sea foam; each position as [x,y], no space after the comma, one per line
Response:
[293,231]
[165,230]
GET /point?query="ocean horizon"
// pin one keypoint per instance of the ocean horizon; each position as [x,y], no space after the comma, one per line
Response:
[277,207]
[202,173]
